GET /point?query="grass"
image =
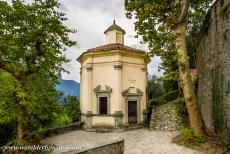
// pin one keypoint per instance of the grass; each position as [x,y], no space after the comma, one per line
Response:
[211,145]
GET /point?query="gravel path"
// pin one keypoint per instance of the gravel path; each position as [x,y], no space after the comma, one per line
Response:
[140,141]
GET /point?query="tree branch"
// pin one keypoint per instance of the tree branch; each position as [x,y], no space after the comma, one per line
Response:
[8,69]
[31,60]
[184,11]
[17,74]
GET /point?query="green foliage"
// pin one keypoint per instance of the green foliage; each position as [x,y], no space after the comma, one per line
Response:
[189,136]
[167,97]
[7,99]
[200,138]
[161,92]
[155,88]
[155,21]
[64,119]
[71,106]
[33,40]
[44,107]
[172,95]
[170,85]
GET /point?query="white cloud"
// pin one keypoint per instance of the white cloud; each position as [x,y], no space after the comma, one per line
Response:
[153,67]
[91,19]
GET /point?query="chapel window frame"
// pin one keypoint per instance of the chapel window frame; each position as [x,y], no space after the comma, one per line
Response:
[102,93]
[103,110]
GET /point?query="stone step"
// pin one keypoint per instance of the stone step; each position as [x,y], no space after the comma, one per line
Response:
[133,127]
[104,130]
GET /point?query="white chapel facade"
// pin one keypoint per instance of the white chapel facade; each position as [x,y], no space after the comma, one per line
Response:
[113,83]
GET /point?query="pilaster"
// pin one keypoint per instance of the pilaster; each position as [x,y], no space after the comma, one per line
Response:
[88,119]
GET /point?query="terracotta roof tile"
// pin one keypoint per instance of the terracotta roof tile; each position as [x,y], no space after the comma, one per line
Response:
[108,47]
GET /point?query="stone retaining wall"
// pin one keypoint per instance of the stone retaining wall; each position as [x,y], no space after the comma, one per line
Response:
[114,147]
[170,116]
[36,136]
[213,66]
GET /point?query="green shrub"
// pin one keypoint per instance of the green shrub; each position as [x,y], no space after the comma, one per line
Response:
[64,119]
[170,96]
[200,138]
[189,136]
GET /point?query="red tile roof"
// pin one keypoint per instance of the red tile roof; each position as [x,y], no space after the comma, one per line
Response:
[109,47]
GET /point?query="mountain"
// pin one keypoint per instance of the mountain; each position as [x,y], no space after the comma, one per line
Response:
[69,87]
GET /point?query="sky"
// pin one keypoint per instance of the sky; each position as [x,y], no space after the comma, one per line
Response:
[91,18]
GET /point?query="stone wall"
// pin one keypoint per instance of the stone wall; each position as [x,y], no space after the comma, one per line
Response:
[36,136]
[213,60]
[170,116]
[114,147]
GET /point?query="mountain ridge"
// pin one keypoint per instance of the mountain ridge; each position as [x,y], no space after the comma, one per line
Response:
[69,87]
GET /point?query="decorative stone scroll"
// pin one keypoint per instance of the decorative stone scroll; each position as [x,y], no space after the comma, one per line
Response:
[127,93]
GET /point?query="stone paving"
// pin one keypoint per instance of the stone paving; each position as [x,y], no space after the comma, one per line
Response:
[140,141]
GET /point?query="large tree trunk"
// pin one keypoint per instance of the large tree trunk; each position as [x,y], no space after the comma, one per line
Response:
[22,116]
[22,131]
[195,117]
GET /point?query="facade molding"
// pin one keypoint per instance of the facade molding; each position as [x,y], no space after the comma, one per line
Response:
[116,114]
[113,82]
[127,93]
[134,54]
[132,97]
[103,93]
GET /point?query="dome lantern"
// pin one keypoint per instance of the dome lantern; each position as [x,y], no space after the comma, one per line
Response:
[114,34]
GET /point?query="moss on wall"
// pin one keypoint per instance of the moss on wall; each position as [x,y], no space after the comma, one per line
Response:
[218,117]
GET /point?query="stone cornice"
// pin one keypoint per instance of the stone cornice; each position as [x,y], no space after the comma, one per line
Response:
[134,54]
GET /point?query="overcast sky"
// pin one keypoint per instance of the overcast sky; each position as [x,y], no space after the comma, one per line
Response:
[91,18]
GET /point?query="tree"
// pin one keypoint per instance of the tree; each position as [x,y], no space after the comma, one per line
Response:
[165,25]
[71,106]
[155,88]
[43,110]
[32,41]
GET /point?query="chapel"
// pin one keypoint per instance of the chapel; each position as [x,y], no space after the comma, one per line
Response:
[113,82]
